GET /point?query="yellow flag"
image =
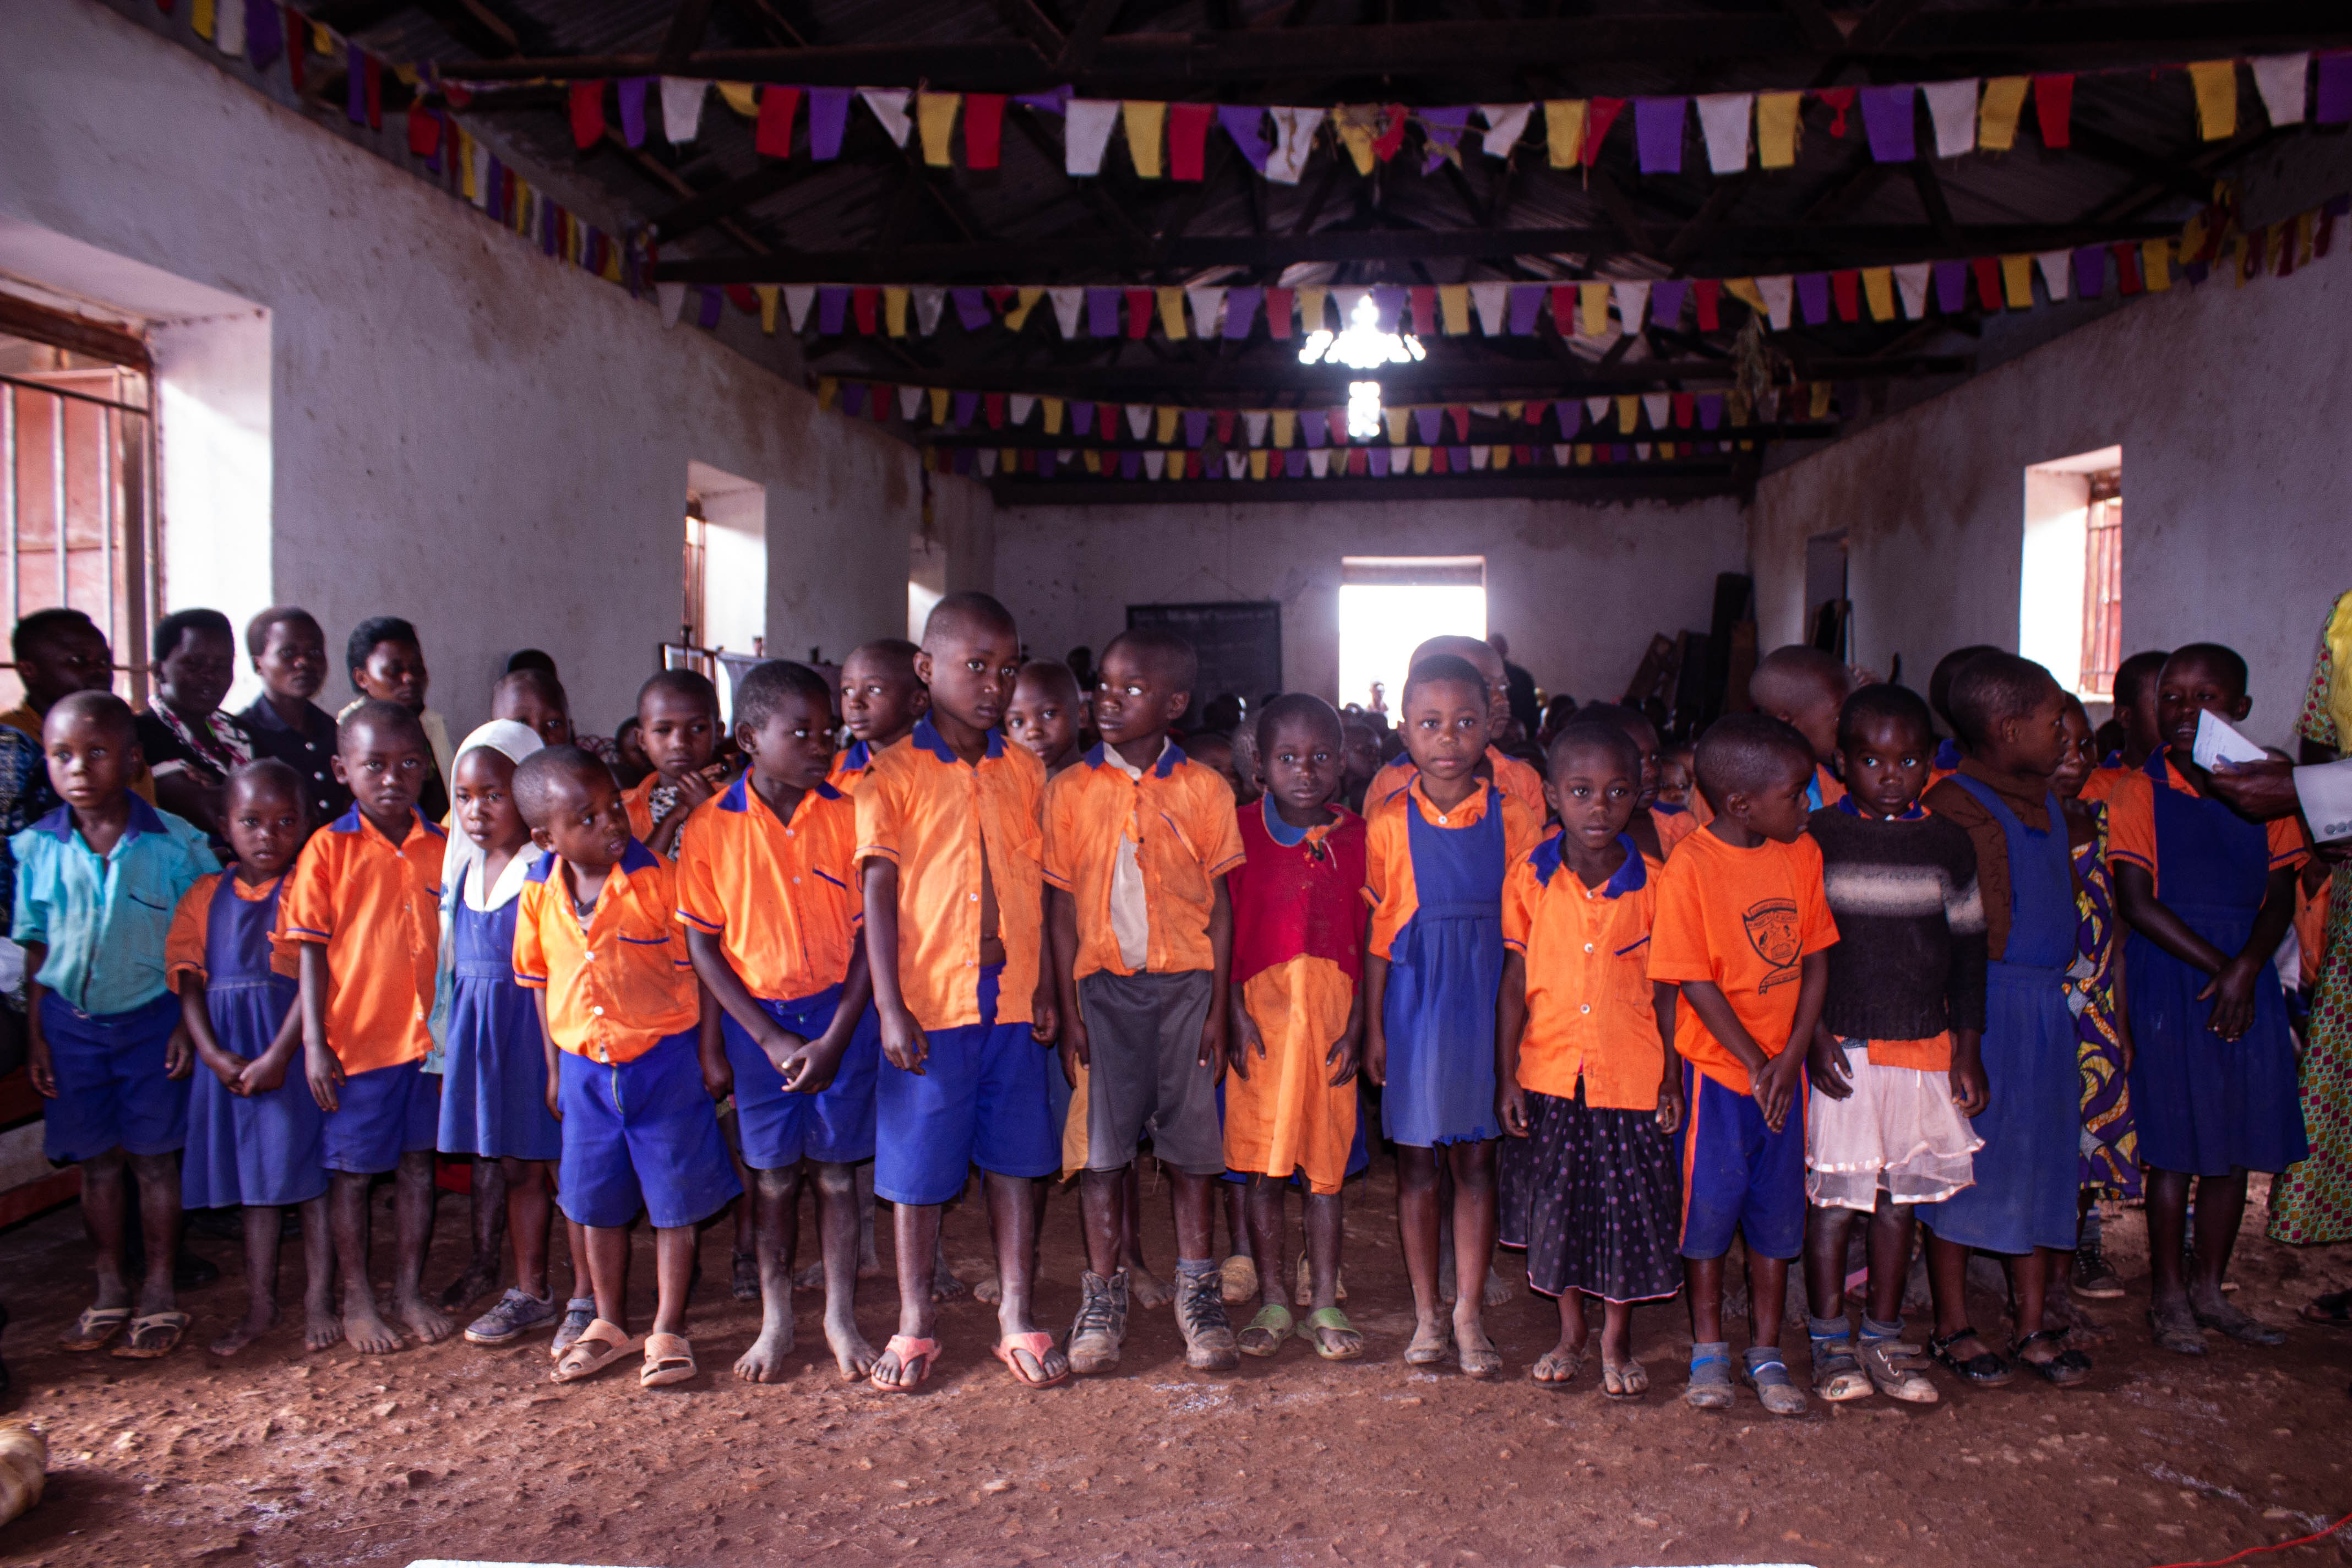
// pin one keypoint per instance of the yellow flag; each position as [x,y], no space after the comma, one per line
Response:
[1592,308]
[1257,463]
[2017,281]
[1310,308]
[939,404]
[1743,289]
[2004,101]
[1420,459]
[827,389]
[1286,427]
[767,293]
[465,165]
[322,42]
[740,98]
[1583,454]
[1396,419]
[1820,407]
[1737,404]
[1094,460]
[1143,119]
[935,115]
[201,17]
[894,311]
[1018,317]
[1454,307]
[1564,130]
[1776,127]
[1502,458]
[2234,259]
[1878,288]
[1171,313]
[1629,410]
[1515,410]
[1353,122]
[1165,427]
[2215,82]
[1053,415]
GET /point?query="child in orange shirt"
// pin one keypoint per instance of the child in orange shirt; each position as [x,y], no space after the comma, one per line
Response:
[1804,689]
[1509,774]
[880,701]
[364,908]
[1585,1059]
[2134,711]
[1743,929]
[678,725]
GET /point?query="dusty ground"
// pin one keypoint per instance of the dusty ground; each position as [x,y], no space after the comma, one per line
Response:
[283,1458]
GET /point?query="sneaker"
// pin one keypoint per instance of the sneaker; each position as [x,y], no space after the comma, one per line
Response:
[1100,1327]
[1210,1344]
[513,1315]
[2092,1277]
[578,1313]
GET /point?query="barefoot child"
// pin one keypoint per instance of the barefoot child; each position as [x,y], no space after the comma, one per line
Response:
[1436,857]
[1895,1066]
[2208,897]
[1139,838]
[1804,689]
[633,1049]
[1589,1091]
[255,1134]
[1743,929]
[946,827]
[765,877]
[1298,1012]
[880,701]
[97,880]
[361,908]
[677,725]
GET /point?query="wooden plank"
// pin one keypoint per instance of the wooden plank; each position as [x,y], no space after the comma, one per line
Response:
[74,335]
[20,1203]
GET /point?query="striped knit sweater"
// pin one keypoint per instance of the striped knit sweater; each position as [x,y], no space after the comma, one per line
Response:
[1909,962]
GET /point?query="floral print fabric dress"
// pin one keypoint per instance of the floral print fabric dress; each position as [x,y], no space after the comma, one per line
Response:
[2110,1148]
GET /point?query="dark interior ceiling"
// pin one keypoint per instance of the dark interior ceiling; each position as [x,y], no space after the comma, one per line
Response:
[724,214]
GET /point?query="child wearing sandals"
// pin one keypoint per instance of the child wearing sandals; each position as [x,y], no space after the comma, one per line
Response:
[633,1053]
[1590,1091]
[1895,1066]
[1298,1012]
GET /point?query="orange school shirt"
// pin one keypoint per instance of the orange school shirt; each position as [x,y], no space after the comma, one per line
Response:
[622,983]
[1591,1013]
[1179,816]
[1745,920]
[2131,823]
[781,897]
[375,907]
[941,820]
[1388,849]
[849,764]
[1512,776]
[190,935]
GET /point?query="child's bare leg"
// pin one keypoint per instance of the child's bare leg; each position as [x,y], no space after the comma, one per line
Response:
[530,1220]
[1768,1294]
[1263,1200]
[1475,1221]
[1947,1282]
[1703,1283]
[1617,1332]
[1237,1225]
[321,1326]
[870,1258]
[159,1226]
[1012,1215]
[1325,1212]
[1101,1208]
[2168,1228]
[2220,1209]
[413,1212]
[488,1200]
[575,1249]
[915,1235]
[946,1285]
[744,1276]
[608,1271]
[2028,1284]
[1827,1229]
[103,1199]
[347,1191]
[261,1238]
[837,1233]
[672,1276]
[1146,1289]
[1417,1225]
[1561,1363]
[774,1197]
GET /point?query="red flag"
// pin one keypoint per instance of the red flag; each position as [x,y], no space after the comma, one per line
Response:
[1437,460]
[1385,146]
[866,305]
[1188,137]
[1841,101]
[1336,422]
[744,299]
[1139,312]
[1525,456]
[1602,113]
[2127,274]
[1279,311]
[2053,106]
[1563,309]
[1356,462]
[1709,291]
[983,130]
[1423,299]
[297,46]
[1846,287]
[878,400]
[1461,422]
[993,402]
[773,136]
[1988,272]
[587,113]
[1000,295]
[372,76]
[1225,423]
[423,131]
[1686,404]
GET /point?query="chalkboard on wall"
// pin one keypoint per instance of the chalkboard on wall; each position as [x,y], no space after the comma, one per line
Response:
[1239,641]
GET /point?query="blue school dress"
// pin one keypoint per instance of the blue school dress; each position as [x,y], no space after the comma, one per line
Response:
[2024,1195]
[265,1149]
[2204,1104]
[494,1076]
[1445,970]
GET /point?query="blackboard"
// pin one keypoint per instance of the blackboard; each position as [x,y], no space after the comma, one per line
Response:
[1239,641]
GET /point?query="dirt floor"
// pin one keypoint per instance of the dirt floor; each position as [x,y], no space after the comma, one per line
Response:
[281,1457]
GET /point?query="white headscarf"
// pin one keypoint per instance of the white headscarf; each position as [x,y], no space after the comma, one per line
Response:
[514,741]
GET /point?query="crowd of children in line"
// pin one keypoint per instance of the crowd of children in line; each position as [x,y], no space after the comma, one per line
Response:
[1615,1010]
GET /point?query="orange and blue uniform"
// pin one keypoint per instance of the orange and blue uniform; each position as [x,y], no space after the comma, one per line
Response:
[1515,778]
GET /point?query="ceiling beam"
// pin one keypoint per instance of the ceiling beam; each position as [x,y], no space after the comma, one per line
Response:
[1674,482]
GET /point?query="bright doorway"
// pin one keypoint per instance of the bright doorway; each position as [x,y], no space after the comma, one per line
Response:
[1390,604]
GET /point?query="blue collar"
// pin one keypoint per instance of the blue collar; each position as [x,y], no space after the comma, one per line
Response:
[144,818]
[928,737]
[1917,813]
[738,794]
[350,822]
[2113,759]
[1170,756]
[858,758]
[1632,874]
[1948,755]
[1281,832]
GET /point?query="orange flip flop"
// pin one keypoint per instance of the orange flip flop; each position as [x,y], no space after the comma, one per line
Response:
[1037,1343]
[906,1347]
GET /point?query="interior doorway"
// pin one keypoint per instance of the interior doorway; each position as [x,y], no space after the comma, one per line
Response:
[1390,604]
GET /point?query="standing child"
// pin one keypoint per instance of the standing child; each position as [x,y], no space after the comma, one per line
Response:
[1435,856]
[677,725]
[765,877]
[1508,774]
[1947,760]
[2010,717]
[880,701]
[1895,1067]
[97,880]
[2208,897]
[633,1055]
[1584,1054]
[1804,689]
[256,1134]
[1043,714]
[948,826]
[1743,929]
[1139,838]
[2136,715]
[362,908]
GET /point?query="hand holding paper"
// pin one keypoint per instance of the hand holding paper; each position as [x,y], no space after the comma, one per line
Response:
[2218,744]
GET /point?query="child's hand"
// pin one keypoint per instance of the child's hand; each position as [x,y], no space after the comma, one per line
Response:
[717,1072]
[1827,1061]
[904,1045]
[229,1069]
[1670,1107]
[785,1051]
[1243,1038]
[1776,1088]
[1045,1017]
[1078,1049]
[1375,1054]
[259,1076]
[1971,1092]
[554,1096]
[37,1065]
[326,1076]
[1345,1058]
[178,1054]
[2232,992]
[1213,1039]
[694,788]
[811,1066]
[1511,1107]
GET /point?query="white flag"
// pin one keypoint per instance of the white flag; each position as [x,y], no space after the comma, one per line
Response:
[1506,122]
[1086,132]
[682,101]
[1723,119]
[1952,105]
[1293,133]
[2280,79]
[890,107]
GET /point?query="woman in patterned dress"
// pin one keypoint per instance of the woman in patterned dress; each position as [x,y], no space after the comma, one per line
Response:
[2110,1147]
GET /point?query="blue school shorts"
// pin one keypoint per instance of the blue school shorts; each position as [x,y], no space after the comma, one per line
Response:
[981,1099]
[1738,1176]
[381,1115]
[834,1126]
[642,1134]
[111,1091]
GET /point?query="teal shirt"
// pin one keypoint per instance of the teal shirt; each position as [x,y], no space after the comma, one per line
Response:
[105,917]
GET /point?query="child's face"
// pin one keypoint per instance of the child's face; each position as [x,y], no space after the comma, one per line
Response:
[293,660]
[1362,751]
[195,675]
[1644,736]
[384,769]
[265,827]
[2190,686]
[2142,724]
[587,824]
[91,761]
[677,732]
[1137,700]
[1304,764]
[1675,780]
[630,743]
[67,659]
[792,746]
[1043,716]
[394,672]
[529,707]
[1817,720]
[2081,754]
[1779,810]
[2034,743]
[1884,760]
[880,698]
[1593,795]
[969,670]
[1249,768]
[1445,727]
[484,790]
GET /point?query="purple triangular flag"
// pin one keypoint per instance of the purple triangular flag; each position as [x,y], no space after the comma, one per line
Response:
[1619,452]
[1246,124]
[961,460]
[633,109]
[2334,105]
[1666,301]
[355,85]
[972,308]
[2090,271]
[712,301]
[853,398]
[1131,463]
[1082,418]
[1527,304]
[265,31]
[1317,423]
[1376,460]
[1889,116]
[1710,410]
[1196,427]
[1570,416]
[1441,131]
[1658,133]
[1387,306]
[967,403]
[1102,313]
[1294,464]
[1951,286]
[1241,310]
[1813,294]
[828,118]
[1053,101]
[1429,422]
[832,310]
[1045,465]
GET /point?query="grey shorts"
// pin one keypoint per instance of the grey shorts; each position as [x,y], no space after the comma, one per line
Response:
[1144,1071]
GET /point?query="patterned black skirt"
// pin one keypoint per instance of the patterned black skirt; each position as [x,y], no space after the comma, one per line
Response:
[1595,1198]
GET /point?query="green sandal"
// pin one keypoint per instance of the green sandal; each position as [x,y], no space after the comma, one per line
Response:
[1266,1332]
[1331,1320]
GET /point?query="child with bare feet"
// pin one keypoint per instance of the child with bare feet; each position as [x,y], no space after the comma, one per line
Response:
[1437,853]
[254,1132]
[1591,1091]
[361,908]
[634,1059]
[677,725]
[765,878]
[97,880]
[954,908]
[1743,929]
[1298,1013]
[1139,838]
